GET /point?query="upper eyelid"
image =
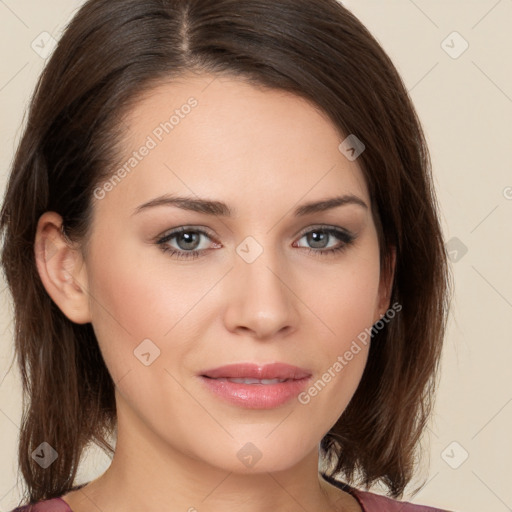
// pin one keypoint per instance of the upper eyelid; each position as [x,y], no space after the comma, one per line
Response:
[182,229]
[325,227]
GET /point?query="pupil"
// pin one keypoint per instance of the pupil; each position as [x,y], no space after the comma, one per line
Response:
[318,237]
[189,239]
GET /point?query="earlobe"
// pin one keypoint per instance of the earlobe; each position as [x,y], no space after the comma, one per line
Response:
[61,269]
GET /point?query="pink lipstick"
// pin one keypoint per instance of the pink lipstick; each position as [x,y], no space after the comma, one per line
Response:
[256,386]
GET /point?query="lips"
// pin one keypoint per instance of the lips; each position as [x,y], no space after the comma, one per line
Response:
[256,387]
[281,371]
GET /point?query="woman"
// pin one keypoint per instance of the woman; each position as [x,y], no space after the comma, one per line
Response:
[223,246]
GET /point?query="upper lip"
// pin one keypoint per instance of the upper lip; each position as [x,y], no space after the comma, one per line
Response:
[255,371]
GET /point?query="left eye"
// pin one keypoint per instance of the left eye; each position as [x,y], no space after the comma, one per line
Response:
[188,240]
[318,237]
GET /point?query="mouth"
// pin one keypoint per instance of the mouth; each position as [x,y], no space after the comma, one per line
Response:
[256,387]
[249,381]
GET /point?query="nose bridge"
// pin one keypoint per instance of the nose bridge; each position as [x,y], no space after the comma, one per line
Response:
[262,302]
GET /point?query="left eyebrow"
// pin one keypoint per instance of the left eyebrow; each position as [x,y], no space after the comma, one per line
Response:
[328,204]
[221,209]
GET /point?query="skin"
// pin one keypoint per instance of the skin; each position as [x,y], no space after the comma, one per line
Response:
[263,153]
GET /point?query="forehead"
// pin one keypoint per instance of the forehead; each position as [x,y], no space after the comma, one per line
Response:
[225,138]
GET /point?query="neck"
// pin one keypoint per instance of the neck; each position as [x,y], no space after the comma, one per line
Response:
[156,483]
[148,474]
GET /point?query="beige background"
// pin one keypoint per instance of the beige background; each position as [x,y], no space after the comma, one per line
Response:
[465,104]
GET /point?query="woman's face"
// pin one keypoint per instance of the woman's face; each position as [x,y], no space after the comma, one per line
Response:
[262,289]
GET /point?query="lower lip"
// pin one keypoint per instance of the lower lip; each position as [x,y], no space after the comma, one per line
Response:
[256,396]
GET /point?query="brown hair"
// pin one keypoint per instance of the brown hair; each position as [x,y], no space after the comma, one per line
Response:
[111,52]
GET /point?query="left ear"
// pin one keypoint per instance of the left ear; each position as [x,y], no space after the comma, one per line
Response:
[386,283]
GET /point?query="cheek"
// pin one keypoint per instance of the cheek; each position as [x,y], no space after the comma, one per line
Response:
[133,299]
[348,297]
[142,321]
[347,308]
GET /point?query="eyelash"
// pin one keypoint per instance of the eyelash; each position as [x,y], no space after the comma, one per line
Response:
[344,236]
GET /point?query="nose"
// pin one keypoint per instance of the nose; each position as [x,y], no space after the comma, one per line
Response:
[261,301]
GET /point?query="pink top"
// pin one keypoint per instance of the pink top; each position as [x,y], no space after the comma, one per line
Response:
[369,502]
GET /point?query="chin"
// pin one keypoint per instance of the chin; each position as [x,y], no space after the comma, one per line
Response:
[261,455]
